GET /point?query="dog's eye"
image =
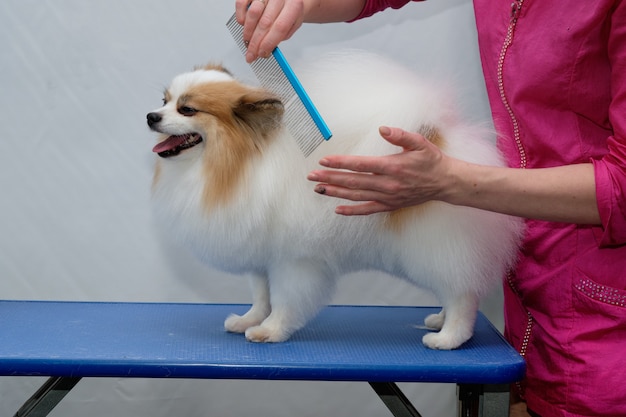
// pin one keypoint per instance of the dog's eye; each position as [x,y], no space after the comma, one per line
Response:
[187,111]
[164,101]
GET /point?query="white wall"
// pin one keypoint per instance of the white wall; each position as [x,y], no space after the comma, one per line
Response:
[76,80]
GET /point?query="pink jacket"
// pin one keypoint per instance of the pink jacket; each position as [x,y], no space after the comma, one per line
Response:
[556,77]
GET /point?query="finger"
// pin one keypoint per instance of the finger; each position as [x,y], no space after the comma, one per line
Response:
[289,19]
[252,17]
[270,28]
[356,195]
[409,141]
[364,209]
[380,185]
[241,7]
[374,165]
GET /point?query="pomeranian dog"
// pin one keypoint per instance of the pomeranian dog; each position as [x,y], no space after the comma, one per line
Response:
[230,184]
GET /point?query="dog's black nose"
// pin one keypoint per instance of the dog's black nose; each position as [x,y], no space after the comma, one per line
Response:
[153,118]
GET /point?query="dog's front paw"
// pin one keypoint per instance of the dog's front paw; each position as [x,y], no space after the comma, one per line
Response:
[443,340]
[265,333]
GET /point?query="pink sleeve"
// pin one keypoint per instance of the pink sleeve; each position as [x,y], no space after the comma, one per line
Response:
[610,174]
[610,171]
[373,6]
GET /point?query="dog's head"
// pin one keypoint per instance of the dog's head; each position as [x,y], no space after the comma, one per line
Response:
[208,108]
[210,117]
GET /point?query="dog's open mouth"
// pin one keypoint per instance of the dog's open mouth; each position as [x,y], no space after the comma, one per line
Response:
[176,144]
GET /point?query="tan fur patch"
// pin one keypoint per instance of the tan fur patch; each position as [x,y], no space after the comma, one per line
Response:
[225,166]
[432,134]
[232,143]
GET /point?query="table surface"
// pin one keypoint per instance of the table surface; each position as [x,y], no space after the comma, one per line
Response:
[167,340]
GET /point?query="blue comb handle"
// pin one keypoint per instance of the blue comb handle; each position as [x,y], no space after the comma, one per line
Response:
[295,83]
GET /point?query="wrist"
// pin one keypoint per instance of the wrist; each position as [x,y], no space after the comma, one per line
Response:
[467,184]
[453,182]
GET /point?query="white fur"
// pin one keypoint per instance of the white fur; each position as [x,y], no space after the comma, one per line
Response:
[289,239]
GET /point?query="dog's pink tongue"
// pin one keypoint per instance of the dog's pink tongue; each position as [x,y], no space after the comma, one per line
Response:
[169,143]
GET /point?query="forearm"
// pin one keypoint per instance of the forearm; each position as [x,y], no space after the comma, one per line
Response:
[422,172]
[560,194]
[326,11]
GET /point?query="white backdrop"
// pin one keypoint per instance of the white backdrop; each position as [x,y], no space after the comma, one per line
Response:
[76,80]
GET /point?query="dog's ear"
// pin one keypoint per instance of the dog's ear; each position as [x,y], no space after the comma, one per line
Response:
[260,111]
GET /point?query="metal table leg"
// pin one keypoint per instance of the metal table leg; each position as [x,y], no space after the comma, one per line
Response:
[483,400]
[394,399]
[47,397]
[475,400]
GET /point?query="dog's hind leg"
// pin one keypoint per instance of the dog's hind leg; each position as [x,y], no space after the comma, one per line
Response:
[435,321]
[298,290]
[258,312]
[459,316]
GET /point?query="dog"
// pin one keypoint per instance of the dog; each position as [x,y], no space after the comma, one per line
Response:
[230,184]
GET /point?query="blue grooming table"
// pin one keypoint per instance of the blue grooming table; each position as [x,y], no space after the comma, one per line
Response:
[67,341]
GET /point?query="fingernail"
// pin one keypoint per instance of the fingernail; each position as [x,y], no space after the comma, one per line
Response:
[250,57]
[313,177]
[384,130]
[324,162]
[320,189]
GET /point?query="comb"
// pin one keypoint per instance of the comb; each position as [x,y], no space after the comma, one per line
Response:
[274,73]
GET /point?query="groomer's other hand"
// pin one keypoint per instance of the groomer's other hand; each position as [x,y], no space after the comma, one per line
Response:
[384,183]
[266,23]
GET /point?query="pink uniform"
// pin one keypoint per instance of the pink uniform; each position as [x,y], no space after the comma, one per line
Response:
[556,77]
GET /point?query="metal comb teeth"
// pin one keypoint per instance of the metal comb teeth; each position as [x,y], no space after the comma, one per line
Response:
[274,73]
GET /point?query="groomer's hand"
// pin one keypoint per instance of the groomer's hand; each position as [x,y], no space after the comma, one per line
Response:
[266,23]
[417,174]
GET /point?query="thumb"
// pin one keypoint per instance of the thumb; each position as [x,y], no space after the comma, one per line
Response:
[409,141]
